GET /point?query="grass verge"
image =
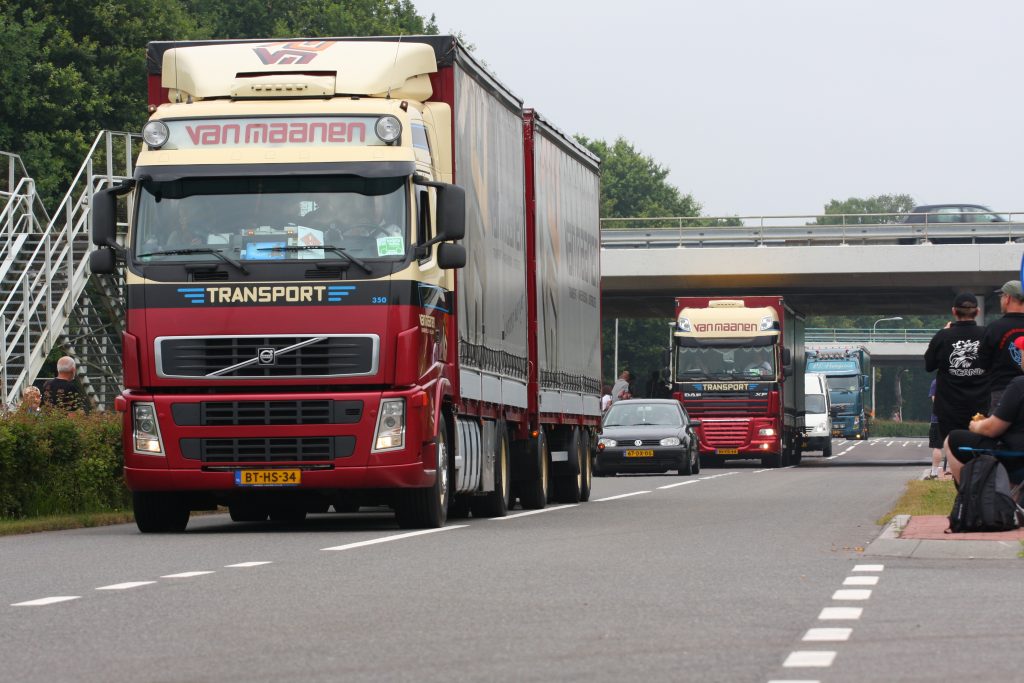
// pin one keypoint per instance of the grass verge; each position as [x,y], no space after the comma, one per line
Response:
[10,527]
[923,498]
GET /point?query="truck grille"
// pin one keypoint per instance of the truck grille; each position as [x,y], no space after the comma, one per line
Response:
[725,433]
[275,449]
[267,357]
[233,413]
[726,406]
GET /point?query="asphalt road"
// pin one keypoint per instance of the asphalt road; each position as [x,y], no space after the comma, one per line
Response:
[735,574]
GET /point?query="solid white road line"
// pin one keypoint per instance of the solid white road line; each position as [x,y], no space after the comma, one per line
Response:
[681,483]
[247,564]
[124,586]
[861,581]
[868,567]
[46,601]
[623,495]
[553,508]
[396,537]
[852,594]
[828,634]
[819,658]
[185,575]
[776,680]
[840,613]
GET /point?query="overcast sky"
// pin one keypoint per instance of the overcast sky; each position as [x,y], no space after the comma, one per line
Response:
[776,106]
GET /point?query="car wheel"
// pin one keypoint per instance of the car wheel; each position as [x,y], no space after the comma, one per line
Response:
[696,462]
[687,469]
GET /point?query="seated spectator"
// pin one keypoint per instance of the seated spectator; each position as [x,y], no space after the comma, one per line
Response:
[1002,430]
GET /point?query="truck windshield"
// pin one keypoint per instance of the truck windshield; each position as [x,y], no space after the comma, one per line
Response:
[272,218]
[847,384]
[737,362]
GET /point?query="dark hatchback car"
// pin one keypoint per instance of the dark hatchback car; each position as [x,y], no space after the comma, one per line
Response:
[647,435]
[974,224]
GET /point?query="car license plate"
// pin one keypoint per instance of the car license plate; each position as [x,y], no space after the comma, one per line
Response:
[268,477]
[640,453]
[727,451]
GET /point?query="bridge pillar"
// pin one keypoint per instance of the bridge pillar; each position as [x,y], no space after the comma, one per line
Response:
[981,308]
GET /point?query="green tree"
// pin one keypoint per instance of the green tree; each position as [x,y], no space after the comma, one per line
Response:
[888,204]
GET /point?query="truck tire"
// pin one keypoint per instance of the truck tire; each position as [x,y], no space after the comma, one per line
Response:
[826,450]
[569,486]
[248,512]
[496,503]
[533,493]
[288,513]
[428,508]
[159,513]
[771,460]
[586,462]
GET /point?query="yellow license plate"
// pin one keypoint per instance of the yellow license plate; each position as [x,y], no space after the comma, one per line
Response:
[268,477]
[728,451]
[639,454]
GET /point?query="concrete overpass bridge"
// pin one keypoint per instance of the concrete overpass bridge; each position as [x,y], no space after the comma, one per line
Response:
[846,269]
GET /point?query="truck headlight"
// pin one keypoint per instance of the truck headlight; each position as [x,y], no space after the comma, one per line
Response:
[390,432]
[670,441]
[684,325]
[388,129]
[156,133]
[766,431]
[146,430]
[767,323]
[606,443]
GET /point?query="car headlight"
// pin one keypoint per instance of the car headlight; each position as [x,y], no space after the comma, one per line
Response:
[606,443]
[670,441]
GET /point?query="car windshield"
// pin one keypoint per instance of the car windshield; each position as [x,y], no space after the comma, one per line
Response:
[742,362]
[632,414]
[272,218]
[814,403]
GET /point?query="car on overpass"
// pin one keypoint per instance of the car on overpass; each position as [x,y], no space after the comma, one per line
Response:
[932,220]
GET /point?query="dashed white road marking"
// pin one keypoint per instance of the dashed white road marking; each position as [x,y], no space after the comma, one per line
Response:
[818,658]
[396,537]
[840,613]
[553,508]
[680,483]
[185,575]
[621,495]
[124,586]
[852,594]
[247,564]
[827,634]
[760,471]
[46,601]
[860,581]
[868,567]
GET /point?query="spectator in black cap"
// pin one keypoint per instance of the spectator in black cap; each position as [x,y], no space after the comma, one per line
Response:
[961,385]
[998,356]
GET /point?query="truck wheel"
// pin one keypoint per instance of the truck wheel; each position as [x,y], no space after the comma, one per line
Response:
[496,503]
[587,467]
[288,513]
[533,493]
[771,460]
[427,508]
[157,513]
[248,512]
[826,450]
[568,486]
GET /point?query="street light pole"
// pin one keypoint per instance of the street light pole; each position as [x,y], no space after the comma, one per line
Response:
[874,329]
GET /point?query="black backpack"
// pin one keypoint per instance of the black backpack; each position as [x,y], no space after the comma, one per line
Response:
[984,502]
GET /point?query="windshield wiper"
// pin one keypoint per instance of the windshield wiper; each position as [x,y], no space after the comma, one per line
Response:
[185,252]
[341,251]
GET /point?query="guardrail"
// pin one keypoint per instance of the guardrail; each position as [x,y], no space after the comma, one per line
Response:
[803,230]
[822,335]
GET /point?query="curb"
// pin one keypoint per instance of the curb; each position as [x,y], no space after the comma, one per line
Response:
[889,544]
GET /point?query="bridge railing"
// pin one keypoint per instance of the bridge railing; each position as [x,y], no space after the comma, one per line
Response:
[805,230]
[821,335]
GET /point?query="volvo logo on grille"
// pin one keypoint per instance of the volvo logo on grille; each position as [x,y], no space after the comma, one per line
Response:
[638,442]
[266,356]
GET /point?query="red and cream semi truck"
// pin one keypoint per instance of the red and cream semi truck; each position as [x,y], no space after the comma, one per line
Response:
[357,272]
[738,367]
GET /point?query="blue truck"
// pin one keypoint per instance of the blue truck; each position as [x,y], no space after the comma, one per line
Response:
[848,370]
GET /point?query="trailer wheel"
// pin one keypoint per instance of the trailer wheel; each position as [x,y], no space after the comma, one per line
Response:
[533,493]
[158,512]
[427,508]
[496,503]
[568,487]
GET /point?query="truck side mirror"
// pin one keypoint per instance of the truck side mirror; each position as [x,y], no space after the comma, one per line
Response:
[787,370]
[451,256]
[102,261]
[695,423]
[787,357]
[104,218]
[451,212]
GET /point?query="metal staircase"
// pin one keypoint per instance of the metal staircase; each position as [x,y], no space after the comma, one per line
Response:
[47,296]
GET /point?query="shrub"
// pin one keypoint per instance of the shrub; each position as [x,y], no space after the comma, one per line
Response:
[54,463]
[890,428]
